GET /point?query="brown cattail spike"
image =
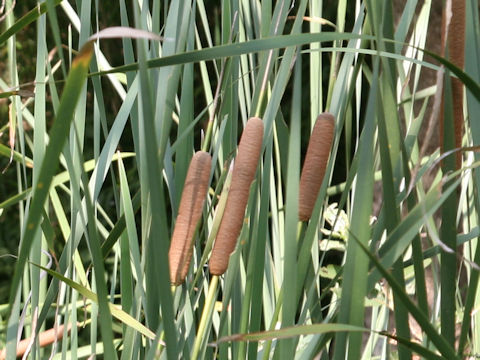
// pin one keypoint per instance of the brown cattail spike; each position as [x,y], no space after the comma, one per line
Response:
[315,163]
[456,54]
[189,213]
[243,174]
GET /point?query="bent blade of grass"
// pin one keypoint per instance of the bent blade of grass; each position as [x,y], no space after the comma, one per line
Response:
[398,241]
[58,136]
[440,342]
[16,156]
[121,315]
[319,329]
[229,50]
[278,42]
[388,55]
[293,331]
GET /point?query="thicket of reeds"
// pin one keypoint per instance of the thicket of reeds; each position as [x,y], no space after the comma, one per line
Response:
[239,179]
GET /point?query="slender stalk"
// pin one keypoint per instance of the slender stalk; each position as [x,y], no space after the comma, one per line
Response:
[201,337]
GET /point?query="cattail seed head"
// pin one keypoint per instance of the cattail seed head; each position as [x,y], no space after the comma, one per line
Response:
[244,169]
[189,213]
[316,160]
[456,54]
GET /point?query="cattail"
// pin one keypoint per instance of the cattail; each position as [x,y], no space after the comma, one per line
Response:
[189,213]
[45,338]
[315,164]
[456,54]
[242,177]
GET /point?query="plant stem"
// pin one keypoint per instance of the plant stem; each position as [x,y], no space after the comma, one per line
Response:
[206,317]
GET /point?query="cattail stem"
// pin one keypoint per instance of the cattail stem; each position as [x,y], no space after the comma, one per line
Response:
[189,214]
[206,317]
[244,169]
[315,164]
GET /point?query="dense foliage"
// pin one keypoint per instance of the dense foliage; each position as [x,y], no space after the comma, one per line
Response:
[98,131]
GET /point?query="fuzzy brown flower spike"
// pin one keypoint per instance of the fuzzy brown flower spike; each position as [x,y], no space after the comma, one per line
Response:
[243,174]
[315,163]
[189,213]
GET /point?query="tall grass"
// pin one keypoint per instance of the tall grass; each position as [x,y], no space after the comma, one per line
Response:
[96,157]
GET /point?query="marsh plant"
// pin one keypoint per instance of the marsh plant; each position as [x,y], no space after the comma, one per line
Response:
[240,179]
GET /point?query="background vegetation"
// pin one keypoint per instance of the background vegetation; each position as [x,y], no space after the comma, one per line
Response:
[386,267]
